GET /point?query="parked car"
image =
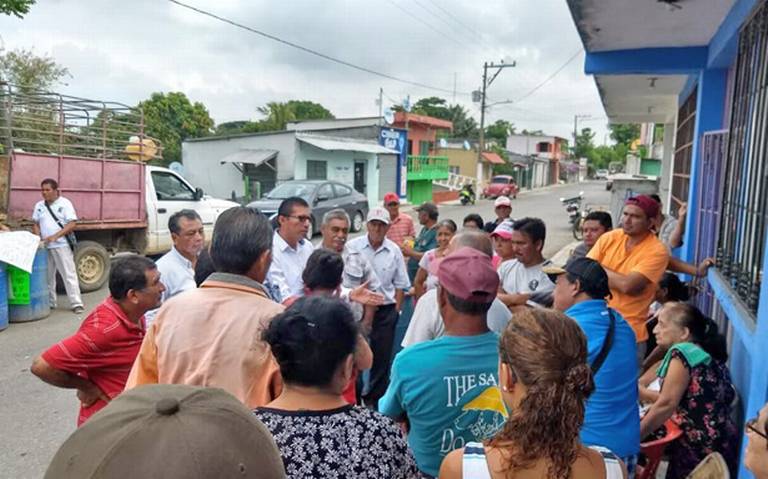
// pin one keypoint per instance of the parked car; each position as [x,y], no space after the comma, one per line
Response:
[322,197]
[601,175]
[501,185]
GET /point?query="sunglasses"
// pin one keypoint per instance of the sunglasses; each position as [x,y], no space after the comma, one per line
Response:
[751,425]
[392,204]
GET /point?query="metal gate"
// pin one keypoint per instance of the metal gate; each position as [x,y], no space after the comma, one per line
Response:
[743,227]
[387,174]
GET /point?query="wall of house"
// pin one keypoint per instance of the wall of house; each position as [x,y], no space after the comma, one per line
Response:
[202,167]
[416,134]
[340,167]
[465,160]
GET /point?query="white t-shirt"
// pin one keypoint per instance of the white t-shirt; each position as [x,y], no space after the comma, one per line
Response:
[516,278]
[64,210]
[427,324]
[429,263]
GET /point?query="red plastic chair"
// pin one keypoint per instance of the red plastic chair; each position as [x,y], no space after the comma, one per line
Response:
[654,450]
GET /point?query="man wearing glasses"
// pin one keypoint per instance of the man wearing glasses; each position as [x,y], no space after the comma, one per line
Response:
[290,250]
[400,224]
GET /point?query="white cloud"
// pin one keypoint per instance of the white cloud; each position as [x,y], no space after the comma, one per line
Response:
[124,51]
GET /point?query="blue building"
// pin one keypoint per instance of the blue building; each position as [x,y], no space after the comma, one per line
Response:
[701,69]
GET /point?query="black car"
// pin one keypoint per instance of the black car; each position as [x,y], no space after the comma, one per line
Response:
[322,196]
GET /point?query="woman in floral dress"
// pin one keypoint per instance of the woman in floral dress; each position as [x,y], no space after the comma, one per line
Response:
[696,390]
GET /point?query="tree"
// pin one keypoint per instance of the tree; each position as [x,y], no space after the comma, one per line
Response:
[29,72]
[277,115]
[624,133]
[172,118]
[308,110]
[499,131]
[464,126]
[18,8]
[584,144]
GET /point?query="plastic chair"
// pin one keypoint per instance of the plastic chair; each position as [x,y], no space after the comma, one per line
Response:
[712,467]
[654,450]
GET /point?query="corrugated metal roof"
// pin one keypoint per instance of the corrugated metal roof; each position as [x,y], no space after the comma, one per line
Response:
[253,157]
[494,158]
[328,143]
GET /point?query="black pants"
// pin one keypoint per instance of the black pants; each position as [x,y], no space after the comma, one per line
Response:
[381,339]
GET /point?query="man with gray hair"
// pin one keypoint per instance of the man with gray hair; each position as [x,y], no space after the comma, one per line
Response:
[426,323]
[359,280]
[177,267]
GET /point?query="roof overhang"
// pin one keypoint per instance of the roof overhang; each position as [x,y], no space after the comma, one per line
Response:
[253,157]
[640,98]
[344,144]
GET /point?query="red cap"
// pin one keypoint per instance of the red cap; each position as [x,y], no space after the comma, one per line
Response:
[468,274]
[391,198]
[645,203]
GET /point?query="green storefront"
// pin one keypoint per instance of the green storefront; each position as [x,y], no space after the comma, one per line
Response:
[422,171]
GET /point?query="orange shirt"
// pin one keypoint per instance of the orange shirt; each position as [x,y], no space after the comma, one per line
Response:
[649,258]
[211,336]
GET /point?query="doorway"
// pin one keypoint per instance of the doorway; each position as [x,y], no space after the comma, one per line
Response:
[359,177]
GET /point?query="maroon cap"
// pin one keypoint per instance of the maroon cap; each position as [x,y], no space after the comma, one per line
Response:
[468,274]
[645,203]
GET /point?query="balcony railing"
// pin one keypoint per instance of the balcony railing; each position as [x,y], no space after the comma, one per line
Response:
[427,167]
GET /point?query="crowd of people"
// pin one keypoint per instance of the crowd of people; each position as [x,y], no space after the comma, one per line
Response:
[511,366]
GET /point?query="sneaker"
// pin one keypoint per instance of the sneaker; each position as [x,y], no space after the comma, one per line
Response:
[78,310]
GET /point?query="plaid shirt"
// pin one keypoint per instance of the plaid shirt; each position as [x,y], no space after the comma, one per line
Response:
[401,228]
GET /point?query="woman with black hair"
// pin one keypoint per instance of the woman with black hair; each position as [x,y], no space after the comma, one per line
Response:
[696,390]
[317,432]
[669,290]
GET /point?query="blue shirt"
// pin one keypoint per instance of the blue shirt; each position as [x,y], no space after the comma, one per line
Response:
[612,419]
[448,388]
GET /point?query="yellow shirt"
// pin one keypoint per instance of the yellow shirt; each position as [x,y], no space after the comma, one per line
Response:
[649,258]
[211,337]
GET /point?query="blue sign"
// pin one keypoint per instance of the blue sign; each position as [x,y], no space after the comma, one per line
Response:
[397,139]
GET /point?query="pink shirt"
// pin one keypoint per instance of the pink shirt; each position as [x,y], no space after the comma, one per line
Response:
[401,228]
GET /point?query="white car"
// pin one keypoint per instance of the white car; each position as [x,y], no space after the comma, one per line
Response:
[601,174]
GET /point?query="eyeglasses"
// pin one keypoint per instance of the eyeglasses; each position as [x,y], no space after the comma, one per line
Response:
[393,204]
[302,219]
[751,425]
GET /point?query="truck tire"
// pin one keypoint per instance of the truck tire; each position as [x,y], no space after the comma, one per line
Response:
[92,264]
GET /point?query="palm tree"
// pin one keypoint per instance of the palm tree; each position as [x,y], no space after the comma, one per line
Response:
[278,115]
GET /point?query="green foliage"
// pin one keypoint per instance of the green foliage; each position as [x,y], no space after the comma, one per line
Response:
[532,132]
[309,110]
[624,133]
[499,131]
[584,143]
[29,72]
[172,118]
[18,8]
[276,117]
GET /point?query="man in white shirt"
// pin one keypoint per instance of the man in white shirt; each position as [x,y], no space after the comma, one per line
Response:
[54,219]
[177,267]
[290,250]
[522,277]
[389,266]
[427,324]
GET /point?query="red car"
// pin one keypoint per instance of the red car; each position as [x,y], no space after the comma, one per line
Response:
[501,185]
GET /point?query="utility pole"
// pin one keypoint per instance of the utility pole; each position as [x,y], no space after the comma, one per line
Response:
[486,84]
[576,119]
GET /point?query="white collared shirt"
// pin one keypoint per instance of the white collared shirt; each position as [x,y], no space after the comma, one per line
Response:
[177,275]
[287,266]
[63,210]
[388,264]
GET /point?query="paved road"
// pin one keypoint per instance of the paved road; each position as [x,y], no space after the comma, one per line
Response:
[36,418]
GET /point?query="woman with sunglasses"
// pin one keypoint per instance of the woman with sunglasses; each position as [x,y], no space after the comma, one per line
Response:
[545,381]
[756,454]
[696,390]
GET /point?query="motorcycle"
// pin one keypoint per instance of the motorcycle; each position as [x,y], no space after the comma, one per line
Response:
[467,195]
[575,214]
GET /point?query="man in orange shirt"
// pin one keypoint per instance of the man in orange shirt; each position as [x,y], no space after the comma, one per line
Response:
[635,261]
[211,336]
[400,224]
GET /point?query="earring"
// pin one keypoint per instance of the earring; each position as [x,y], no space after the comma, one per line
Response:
[505,389]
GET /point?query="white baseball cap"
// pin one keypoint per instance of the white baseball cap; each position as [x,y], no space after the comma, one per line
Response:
[502,201]
[378,213]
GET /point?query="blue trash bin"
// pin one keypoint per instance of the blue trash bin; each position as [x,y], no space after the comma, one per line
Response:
[3,298]
[39,306]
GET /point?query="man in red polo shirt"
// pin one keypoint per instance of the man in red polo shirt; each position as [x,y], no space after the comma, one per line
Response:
[400,224]
[96,360]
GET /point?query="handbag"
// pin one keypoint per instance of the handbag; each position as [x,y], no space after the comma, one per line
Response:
[607,343]
[70,237]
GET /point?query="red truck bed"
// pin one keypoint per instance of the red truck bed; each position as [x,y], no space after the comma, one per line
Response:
[106,193]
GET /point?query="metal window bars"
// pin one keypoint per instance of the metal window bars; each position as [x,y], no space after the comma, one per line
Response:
[742,233]
[50,123]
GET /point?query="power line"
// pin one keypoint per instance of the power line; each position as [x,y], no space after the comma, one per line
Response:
[424,22]
[550,77]
[459,22]
[313,52]
[430,12]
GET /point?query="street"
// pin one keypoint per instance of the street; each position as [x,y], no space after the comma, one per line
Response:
[36,418]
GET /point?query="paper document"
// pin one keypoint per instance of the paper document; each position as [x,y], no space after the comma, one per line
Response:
[18,248]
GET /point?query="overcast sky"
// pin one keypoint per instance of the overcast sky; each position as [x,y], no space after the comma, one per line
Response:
[125,50]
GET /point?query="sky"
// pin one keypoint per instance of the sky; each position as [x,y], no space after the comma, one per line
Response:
[124,51]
